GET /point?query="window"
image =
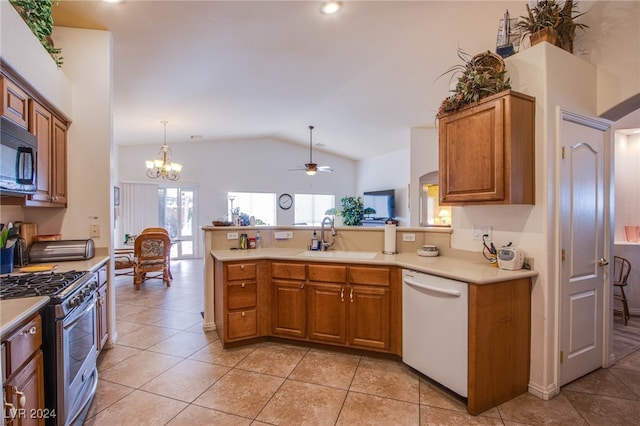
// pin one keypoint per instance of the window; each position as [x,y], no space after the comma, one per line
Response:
[260,205]
[176,210]
[310,209]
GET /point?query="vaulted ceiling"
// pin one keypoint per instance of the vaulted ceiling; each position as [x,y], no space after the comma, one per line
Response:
[233,70]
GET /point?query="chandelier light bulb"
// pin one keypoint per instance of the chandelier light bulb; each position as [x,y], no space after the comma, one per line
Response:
[163,167]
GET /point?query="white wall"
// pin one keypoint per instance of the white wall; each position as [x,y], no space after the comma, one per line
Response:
[256,165]
[424,159]
[387,171]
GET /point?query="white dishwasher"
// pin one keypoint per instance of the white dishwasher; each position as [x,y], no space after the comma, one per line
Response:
[435,328]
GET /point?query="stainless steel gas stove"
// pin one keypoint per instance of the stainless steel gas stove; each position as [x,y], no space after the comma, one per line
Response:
[69,338]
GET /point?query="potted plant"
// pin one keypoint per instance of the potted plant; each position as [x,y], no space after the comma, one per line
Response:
[552,21]
[352,211]
[480,76]
[37,15]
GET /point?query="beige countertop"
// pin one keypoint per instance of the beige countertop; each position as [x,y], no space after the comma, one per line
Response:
[477,271]
[14,311]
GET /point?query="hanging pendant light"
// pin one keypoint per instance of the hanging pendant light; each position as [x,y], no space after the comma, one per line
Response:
[163,167]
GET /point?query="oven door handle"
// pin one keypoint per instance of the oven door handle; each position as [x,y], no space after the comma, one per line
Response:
[78,317]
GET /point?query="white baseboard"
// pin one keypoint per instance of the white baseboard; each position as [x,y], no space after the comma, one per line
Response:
[209,326]
[542,392]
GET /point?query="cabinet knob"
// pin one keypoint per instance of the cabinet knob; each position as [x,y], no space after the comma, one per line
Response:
[351,295]
[342,294]
[242,267]
[242,315]
[242,285]
[22,400]
[32,330]
[302,285]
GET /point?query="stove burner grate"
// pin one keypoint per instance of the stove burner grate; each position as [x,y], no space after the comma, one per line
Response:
[37,284]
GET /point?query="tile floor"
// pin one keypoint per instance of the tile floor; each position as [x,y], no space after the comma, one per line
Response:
[166,371]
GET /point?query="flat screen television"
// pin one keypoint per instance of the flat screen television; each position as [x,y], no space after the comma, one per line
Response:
[382,203]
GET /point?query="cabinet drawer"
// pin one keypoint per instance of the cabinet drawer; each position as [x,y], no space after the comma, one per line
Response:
[22,344]
[369,275]
[242,324]
[241,295]
[328,273]
[241,271]
[288,271]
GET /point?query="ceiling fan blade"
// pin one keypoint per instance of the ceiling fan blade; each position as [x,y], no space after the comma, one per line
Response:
[299,168]
[327,169]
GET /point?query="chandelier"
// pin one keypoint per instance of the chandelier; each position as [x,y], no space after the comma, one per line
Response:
[163,167]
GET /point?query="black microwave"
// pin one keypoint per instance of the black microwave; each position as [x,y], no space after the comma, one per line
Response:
[18,150]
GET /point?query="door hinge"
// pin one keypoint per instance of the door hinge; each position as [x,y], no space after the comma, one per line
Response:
[563,255]
[563,152]
[561,357]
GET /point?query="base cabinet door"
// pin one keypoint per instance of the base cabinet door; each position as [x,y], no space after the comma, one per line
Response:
[25,391]
[369,317]
[289,308]
[327,313]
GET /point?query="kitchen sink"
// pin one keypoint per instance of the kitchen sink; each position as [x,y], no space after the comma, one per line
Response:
[338,254]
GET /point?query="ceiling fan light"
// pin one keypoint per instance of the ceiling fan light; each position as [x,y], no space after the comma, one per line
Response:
[310,172]
[330,7]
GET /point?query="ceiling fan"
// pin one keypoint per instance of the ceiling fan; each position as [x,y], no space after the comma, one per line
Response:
[311,168]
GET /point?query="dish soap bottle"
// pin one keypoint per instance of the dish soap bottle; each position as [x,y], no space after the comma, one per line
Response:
[314,241]
[258,240]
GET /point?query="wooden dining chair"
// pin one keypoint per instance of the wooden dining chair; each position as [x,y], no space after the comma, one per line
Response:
[151,251]
[124,261]
[621,271]
[164,231]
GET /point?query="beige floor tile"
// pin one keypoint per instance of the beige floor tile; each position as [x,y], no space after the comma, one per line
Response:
[197,328]
[631,378]
[599,410]
[630,362]
[137,409]
[601,382]
[126,327]
[528,409]
[111,357]
[277,360]
[433,396]
[440,416]
[360,409]
[106,394]
[149,316]
[186,380]
[228,357]
[194,415]
[181,304]
[386,378]
[123,311]
[146,336]
[326,368]
[298,403]
[180,320]
[181,344]
[239,392]
[137,370]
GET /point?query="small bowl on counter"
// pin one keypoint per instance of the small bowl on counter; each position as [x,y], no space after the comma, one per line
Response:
[428,250]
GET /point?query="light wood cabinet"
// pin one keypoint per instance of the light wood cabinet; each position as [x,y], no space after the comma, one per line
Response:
[15,102]
[369,307]
[24,385]
[51,133]
[102,309]
[289,305]
[487,152]
[241,301]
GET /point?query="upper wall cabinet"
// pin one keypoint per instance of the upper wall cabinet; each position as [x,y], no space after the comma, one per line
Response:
[15,102]
[486,152]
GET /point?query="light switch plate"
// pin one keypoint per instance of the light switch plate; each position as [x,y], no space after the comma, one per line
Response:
[94,231]
[408,237]
[283,235]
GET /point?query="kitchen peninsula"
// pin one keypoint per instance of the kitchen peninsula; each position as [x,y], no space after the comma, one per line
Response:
[351,297]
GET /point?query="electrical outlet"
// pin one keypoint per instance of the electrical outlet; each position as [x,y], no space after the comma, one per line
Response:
[408,237]
[94,231]
[283,235]
[232,235]
[478,231]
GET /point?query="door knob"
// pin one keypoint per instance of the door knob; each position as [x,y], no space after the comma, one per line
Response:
[603,262]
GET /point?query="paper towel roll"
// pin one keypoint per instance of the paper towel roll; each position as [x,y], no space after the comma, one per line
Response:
[389,239]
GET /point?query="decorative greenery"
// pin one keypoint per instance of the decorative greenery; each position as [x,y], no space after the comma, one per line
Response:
[554,14]
[481,75]
[352,211]
[37,15]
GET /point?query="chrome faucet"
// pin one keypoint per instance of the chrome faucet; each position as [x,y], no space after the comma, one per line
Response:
[324,243]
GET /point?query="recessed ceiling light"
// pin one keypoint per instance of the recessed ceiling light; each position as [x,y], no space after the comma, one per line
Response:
[330,7]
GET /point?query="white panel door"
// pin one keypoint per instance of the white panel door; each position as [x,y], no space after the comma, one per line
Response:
[582,225]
